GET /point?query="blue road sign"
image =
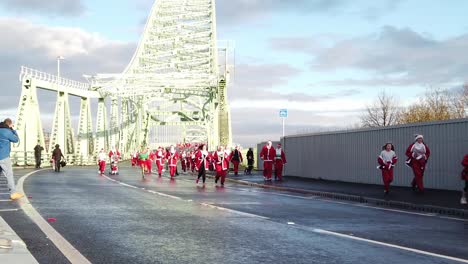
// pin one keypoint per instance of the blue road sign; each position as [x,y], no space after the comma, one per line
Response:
[283,113]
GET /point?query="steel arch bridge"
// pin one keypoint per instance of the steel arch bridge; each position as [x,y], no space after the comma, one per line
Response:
[173,90]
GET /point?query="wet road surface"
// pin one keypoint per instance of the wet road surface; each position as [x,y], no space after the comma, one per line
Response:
[127,219]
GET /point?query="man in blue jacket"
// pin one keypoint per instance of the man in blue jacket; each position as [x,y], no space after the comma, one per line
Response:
[8,136]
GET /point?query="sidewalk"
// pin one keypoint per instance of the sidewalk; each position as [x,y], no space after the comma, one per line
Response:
[432,201]
[12,248]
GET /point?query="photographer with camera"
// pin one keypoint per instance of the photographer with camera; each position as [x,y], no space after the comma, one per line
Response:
[7,136]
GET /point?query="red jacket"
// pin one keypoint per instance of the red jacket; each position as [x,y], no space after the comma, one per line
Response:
[384,165]
[199,159]
[465,169]
[268,154]
[172,158]
[221,164]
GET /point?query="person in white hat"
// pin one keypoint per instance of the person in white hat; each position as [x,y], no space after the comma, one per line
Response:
[387,160]
[418,153]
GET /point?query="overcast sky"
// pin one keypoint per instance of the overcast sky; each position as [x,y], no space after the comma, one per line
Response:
[324,60]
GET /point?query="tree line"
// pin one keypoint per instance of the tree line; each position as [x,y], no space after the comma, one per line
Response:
[435,104]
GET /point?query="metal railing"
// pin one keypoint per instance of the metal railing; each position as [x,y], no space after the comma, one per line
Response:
[43,76]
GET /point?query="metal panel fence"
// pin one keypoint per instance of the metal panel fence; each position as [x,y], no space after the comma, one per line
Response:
[351,156]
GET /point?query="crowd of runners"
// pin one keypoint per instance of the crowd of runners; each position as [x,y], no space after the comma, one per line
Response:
[195,158]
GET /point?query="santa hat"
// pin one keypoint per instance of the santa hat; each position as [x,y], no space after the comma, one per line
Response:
[279,144]
[416,137]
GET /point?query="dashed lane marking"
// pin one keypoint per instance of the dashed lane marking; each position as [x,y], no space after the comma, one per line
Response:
[9,210]
[71,253]
[181,199]
[422,252]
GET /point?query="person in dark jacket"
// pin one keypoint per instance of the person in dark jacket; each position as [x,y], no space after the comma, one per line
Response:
[7,136]
[250,161]
[236,159]
[57,157]
[38,154]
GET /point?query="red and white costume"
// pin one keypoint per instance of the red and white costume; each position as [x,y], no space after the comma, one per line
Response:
[102,161]
[202,157]
[150,160]
[464,163]
[134,158]
[159,157]
[114,156]
[268,155]
[387,160]
[221,162]
[418,154]
[172,157]
[183,161]
[280,160]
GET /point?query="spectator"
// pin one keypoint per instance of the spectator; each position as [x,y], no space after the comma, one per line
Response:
[7,136]
[57,157]
[38,154]
[250,161]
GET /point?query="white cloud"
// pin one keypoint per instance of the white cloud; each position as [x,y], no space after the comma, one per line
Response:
[47,8]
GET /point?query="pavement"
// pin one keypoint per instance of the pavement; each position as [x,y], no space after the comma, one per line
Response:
[127,219]
[434,201]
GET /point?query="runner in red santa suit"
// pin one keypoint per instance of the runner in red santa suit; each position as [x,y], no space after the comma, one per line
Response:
[236,157]
[202,158]
[464,176]
[387,160]
[193,162]
[418,153]
[172,157]
[135,158]
[150,160]
[159,157]
[268,154]
[102,161]
[221,161]
[280,160]
[183,161]
[114,156]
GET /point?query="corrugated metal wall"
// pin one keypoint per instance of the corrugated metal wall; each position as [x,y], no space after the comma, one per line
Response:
[351,156]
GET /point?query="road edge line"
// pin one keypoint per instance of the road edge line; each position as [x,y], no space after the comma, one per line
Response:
[375,242]
[70,252]
[442,211]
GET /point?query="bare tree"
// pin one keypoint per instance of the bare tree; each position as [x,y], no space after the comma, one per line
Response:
[383,112]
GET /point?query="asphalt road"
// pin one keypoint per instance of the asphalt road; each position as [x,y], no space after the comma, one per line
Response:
[164,221]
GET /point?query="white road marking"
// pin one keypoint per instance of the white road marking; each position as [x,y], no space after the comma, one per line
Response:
[179,198]
[234,211]
[291,223]
[9,210]
[422,252]
[396,210]
[71,253]
[5,200]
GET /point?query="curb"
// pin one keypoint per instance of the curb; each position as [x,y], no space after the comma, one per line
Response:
[362,199]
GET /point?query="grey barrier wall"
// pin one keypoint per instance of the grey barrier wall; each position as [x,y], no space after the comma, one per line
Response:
[351,156]
[259,149]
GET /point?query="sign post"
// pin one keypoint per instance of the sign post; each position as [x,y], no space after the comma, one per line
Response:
[283,114]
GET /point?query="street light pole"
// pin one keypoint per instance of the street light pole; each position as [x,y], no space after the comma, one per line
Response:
[58,66]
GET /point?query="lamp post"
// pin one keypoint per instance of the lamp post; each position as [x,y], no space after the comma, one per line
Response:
[59,58]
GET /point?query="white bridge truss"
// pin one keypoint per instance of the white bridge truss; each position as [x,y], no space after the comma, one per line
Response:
[173,90]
